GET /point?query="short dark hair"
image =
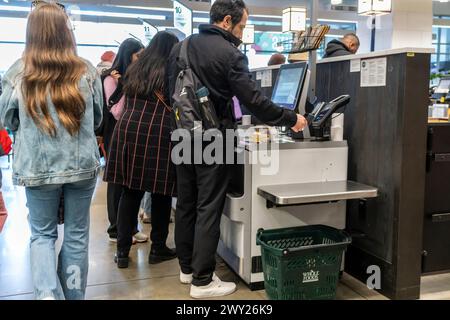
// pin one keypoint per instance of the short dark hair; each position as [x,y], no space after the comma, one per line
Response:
[354,36]
[223,8]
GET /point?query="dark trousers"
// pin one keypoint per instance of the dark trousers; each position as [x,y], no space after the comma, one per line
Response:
[201,197]
[128,211]
[113,194]
[161,210]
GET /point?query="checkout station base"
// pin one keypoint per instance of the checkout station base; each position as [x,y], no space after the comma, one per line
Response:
[309,187]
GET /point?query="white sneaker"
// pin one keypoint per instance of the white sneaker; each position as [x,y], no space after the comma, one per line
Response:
[217,288]
[140,237]
[187,278]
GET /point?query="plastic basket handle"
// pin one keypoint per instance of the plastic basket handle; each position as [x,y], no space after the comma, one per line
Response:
[320,246]
[258,242]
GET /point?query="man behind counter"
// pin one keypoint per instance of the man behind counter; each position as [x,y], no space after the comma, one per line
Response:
[348,45]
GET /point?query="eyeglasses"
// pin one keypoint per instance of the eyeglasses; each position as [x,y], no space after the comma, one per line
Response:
[37,3]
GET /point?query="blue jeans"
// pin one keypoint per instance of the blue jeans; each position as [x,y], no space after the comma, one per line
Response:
[68,278]
[146,203]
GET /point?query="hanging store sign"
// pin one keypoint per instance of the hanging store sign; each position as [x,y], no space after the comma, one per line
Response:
[182,18]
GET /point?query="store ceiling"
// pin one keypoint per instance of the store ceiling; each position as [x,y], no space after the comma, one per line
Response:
[168,3]
[257,6]
[286,3]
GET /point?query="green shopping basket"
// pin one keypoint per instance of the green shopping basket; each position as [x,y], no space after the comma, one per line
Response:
[302,263]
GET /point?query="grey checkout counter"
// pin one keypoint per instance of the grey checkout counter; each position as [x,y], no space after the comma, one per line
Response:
[307,186]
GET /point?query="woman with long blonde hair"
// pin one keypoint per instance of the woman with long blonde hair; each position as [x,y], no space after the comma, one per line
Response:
[53,100]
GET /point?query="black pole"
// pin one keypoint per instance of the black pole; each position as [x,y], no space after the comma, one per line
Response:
[438,45]
[314,18]
[372,41]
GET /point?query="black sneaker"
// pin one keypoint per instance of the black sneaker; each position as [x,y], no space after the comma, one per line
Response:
[122,260]
[161,255]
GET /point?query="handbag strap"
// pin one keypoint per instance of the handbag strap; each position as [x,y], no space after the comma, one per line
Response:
[116,96]
[161,98]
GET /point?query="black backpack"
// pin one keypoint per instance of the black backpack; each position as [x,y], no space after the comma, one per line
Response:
[189,112]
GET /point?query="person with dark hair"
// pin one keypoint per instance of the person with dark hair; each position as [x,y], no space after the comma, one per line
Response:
[349,44]
[112,108]
[221,67]
[276,59]
[140,151]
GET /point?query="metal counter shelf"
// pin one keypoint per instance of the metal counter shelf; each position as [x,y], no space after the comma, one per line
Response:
[320,192]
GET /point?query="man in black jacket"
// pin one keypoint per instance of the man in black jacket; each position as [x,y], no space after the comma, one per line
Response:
[215,58]
[348,45]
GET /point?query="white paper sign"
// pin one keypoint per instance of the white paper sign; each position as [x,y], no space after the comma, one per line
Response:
[182,18]
[373,72]
[266,80]
[355,65]
[440,111]
[258,75]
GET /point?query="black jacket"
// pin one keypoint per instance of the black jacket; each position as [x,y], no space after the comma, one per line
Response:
[223,69]
[335,48]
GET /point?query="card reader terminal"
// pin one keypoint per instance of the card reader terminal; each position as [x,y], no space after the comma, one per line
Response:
[320,119]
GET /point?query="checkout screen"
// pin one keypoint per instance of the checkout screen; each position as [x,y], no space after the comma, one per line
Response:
[285,93]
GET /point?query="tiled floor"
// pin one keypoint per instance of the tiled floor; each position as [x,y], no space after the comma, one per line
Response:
[140,281]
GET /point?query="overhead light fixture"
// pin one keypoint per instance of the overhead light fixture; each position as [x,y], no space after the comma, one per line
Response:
[441,26]
[142,8]
[265,16]
[14,8]
[336,2]
[374,7]
[294,19]
[117,14]
[200,20]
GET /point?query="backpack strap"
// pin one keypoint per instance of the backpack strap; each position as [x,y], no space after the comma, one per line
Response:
[183,57]
[116,96]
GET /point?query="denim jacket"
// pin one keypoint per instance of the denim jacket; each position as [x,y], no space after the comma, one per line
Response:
[39,158]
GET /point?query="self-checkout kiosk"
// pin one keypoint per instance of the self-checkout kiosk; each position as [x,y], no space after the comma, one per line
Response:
[443,90]
[307,187]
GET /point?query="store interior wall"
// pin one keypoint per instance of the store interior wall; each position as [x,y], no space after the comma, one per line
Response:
[409,25]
